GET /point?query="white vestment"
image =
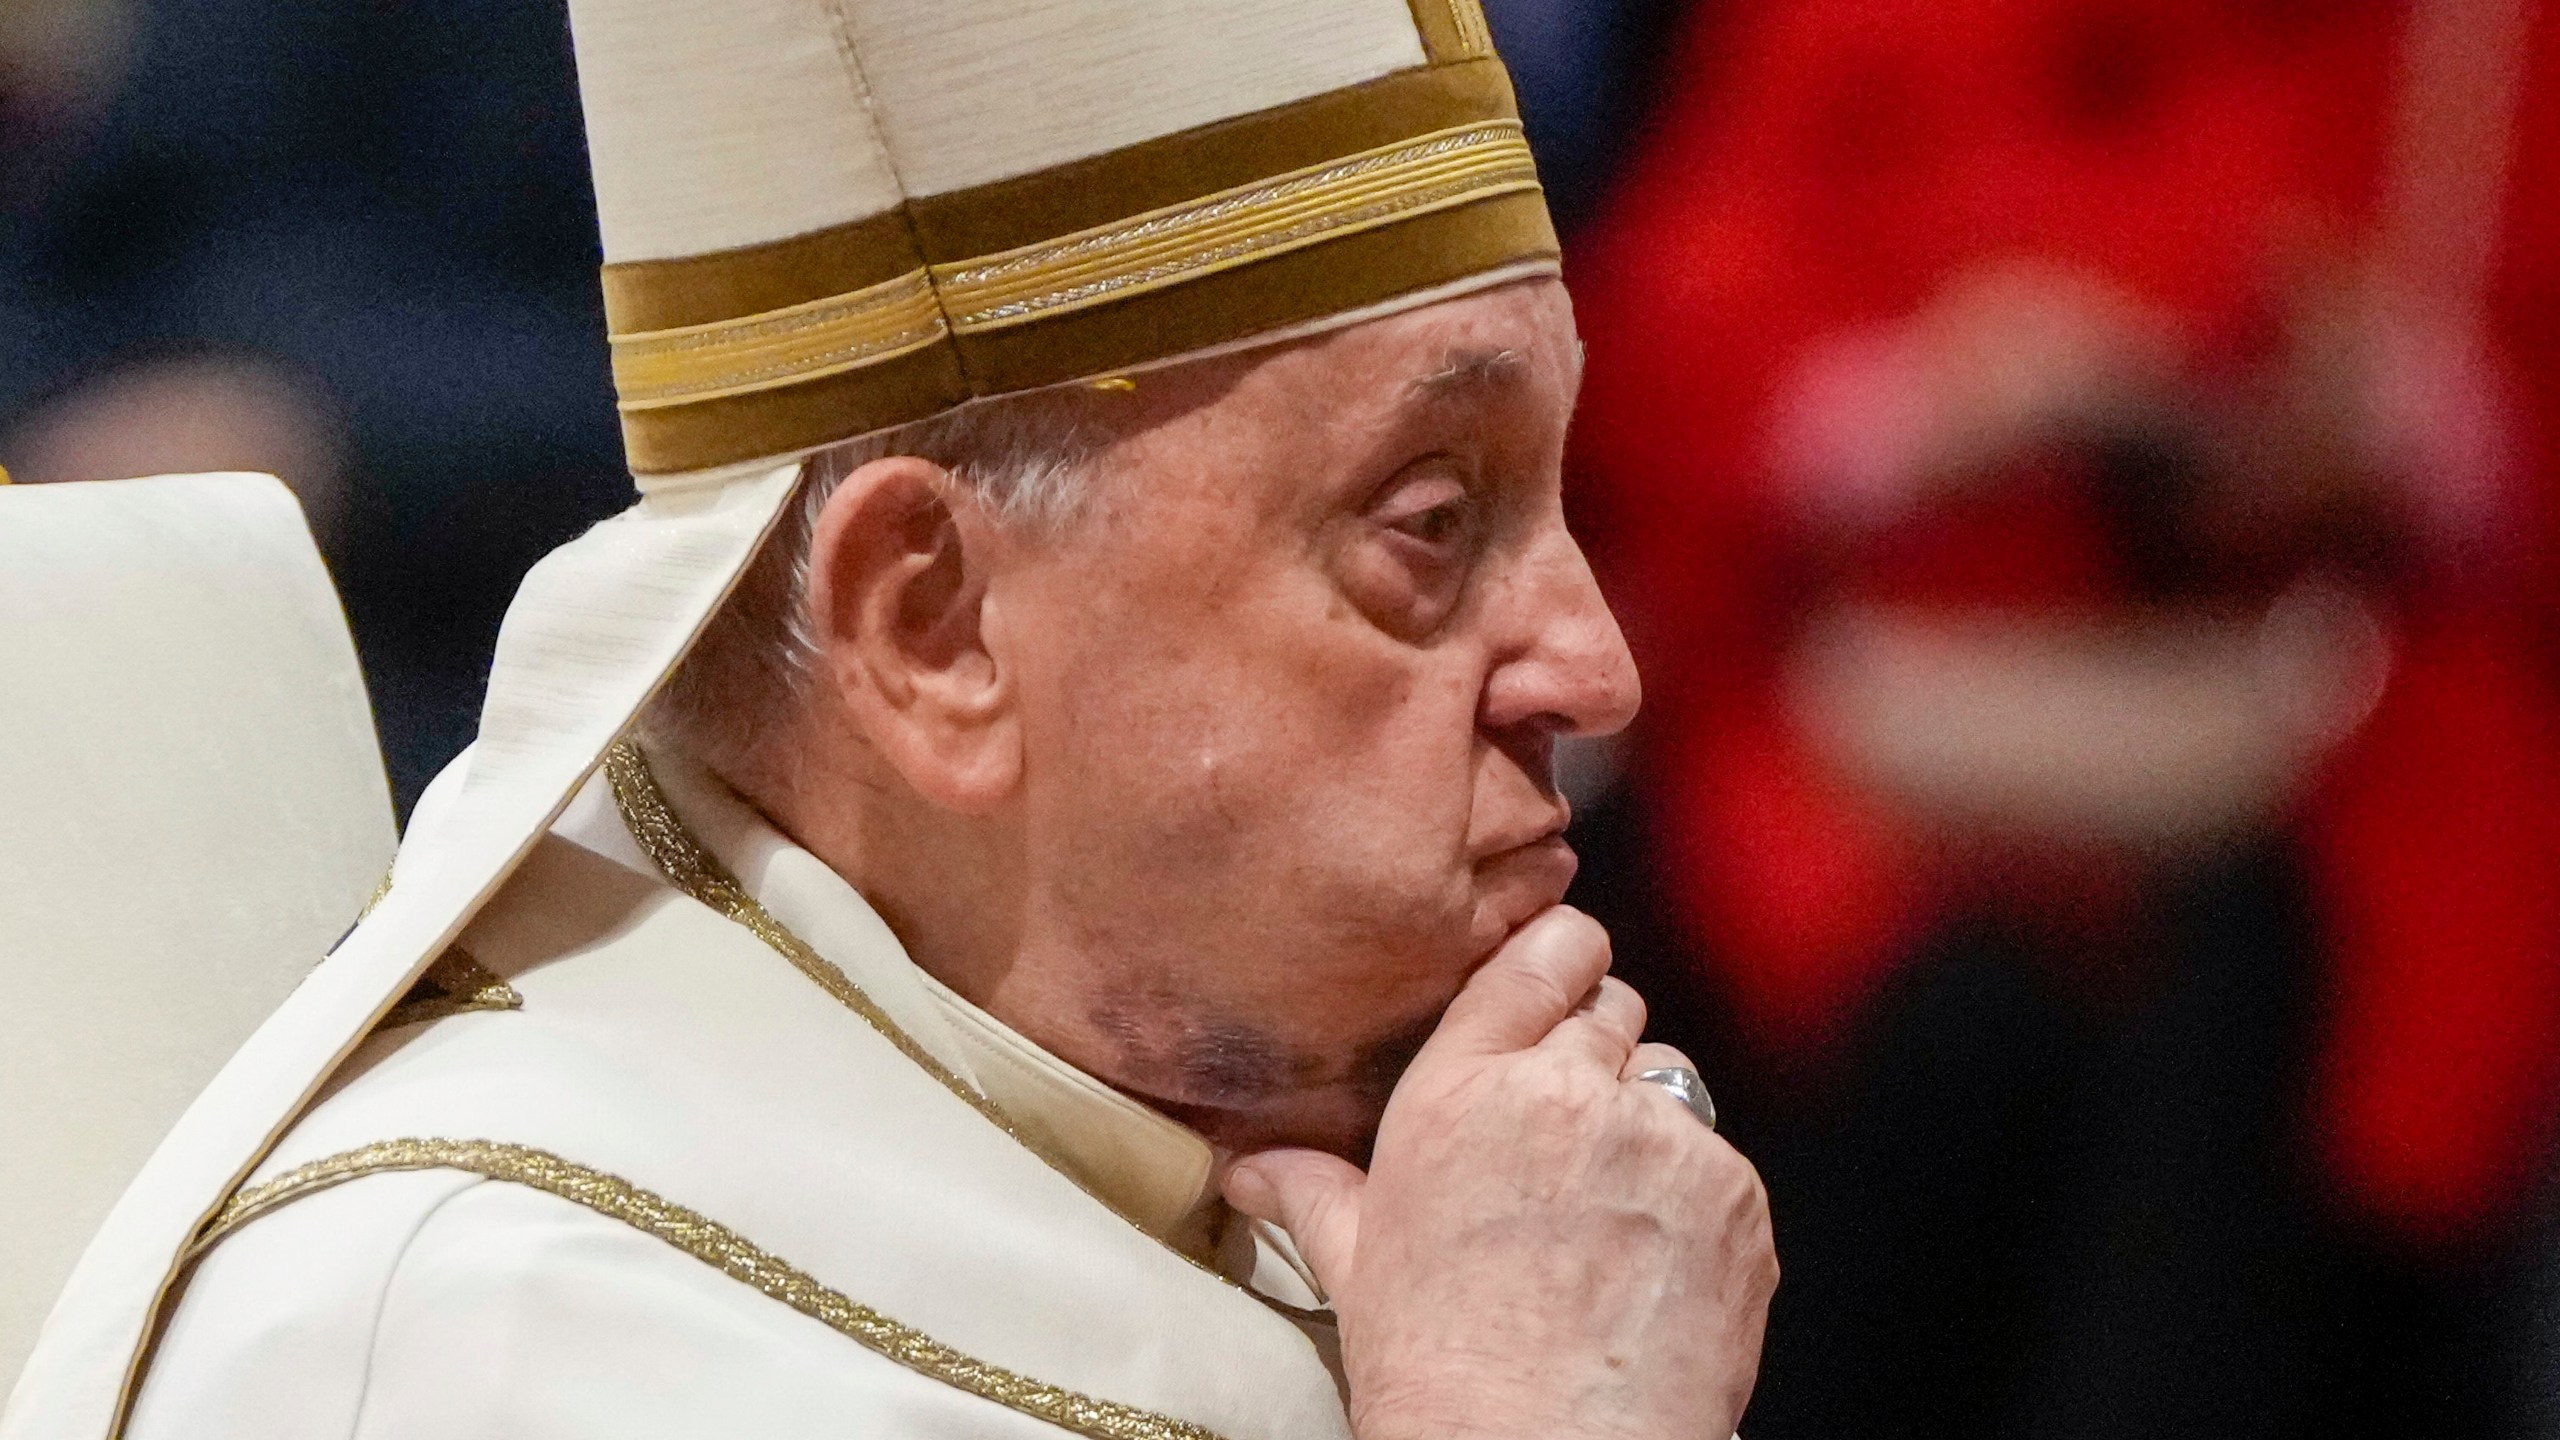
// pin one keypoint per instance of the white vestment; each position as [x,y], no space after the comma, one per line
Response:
[640,1169]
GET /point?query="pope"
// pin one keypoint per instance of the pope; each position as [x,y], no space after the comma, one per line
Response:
[1017,889]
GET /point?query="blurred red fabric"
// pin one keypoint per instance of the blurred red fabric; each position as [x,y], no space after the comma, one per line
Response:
[1822,165]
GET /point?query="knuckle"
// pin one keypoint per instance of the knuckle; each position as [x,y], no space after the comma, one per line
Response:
[1566,1090]
[1725,1182]
[1660,1134]
[1658,1144]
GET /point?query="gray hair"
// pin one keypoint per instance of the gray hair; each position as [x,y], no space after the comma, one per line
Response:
[1027,458]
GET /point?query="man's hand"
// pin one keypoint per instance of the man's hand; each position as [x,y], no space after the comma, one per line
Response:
[1541,1248]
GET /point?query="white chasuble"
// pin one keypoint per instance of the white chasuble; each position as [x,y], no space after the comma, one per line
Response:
[679,1142]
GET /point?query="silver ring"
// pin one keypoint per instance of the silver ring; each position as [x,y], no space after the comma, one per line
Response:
[1682,1084]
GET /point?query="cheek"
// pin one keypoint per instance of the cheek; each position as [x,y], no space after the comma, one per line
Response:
[1364,744]
[1253,792]
[1223,710]
[1323,778]
[1401,751]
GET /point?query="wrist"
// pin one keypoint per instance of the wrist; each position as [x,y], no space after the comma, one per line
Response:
[1481,1415]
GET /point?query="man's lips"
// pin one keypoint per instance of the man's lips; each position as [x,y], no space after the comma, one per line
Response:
[1549,830]
[1542,850]
[1522,882]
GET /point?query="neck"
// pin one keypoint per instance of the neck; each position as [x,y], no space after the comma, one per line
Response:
[937,879]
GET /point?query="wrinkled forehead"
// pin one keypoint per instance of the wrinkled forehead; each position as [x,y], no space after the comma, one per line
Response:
[1508,343]
[1268,433]
[1518,332]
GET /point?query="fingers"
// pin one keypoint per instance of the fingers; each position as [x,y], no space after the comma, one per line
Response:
[1605,1030]
[1655,1056]
[1538,977]
[1313,1196]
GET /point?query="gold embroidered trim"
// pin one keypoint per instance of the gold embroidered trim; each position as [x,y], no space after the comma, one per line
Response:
[698,873]
[657,368]
[1474,36]
[455,985]
[381,888]
[695,871]
[723,1249]
[1182,242]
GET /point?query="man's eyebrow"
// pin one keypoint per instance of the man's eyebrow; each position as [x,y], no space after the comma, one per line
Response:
[1465,370]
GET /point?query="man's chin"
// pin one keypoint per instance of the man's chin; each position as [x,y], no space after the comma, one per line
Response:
[1339,1116]
[1519,885]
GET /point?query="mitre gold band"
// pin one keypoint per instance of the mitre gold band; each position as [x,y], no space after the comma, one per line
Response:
[780,347]
[1452,29]
[1418,179]
[1474,36]
[1182,242]
[657,368]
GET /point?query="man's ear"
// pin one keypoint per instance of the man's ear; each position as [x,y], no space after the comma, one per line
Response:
[898,569]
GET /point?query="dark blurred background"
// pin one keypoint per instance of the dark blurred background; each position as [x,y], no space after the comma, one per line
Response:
[2079,476]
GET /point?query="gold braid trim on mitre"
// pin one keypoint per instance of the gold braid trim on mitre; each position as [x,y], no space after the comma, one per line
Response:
[677,366]
[1218,232]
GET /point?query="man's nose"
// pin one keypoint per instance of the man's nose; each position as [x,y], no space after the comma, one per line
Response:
[1571,671]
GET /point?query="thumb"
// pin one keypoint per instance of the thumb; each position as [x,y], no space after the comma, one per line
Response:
[1313,1196]
[1516,998]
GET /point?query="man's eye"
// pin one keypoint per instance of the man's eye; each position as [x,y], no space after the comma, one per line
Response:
[1442,524]
[1416,548]
[1431,507]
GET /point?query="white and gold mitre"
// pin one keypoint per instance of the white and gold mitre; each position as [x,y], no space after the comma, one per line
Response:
[823,218]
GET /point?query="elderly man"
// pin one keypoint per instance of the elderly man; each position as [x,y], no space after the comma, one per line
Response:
[1107,807]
